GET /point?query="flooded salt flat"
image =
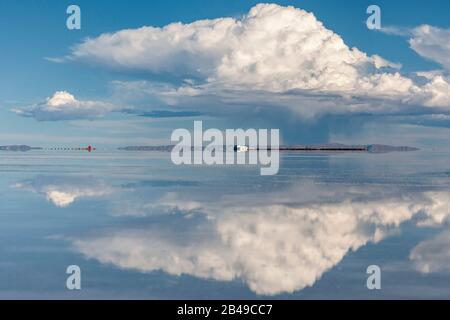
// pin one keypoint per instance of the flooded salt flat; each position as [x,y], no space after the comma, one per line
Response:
[140,227]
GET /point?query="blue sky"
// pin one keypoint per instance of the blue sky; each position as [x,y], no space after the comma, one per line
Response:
[31,31]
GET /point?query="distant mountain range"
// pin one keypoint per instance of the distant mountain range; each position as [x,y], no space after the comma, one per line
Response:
[335,147]
[373,148]
[331,147]
[147,148]
[21,148]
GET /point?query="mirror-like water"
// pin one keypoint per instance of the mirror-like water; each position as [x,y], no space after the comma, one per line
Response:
[140,227]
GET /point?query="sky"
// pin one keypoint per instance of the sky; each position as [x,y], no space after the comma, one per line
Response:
[310,68]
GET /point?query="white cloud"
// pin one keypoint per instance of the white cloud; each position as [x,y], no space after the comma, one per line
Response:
[396,31]
[271,51]
[273,246]
[433,255]
[276,48]
[432,43]
[55,59]
[64,106]
[64,191]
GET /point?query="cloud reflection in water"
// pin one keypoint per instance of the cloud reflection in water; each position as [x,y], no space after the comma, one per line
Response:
[274,246]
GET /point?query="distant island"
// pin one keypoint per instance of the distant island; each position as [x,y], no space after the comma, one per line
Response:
[147,148]
[329,147]
[372,148]
[16,148]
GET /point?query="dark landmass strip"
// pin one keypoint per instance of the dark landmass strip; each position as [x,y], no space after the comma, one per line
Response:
[21,148]
[147,148]
[336,147]
[332,147]
[384,148]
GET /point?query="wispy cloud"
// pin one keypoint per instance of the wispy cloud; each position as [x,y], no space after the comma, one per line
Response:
[396,31]
[56,59]
[432,43]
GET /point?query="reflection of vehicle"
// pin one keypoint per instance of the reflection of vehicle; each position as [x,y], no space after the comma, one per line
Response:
[238,148]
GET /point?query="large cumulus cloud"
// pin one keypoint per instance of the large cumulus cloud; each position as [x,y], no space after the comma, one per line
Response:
[276,52]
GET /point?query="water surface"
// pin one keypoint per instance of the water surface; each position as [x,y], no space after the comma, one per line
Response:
[140,227]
